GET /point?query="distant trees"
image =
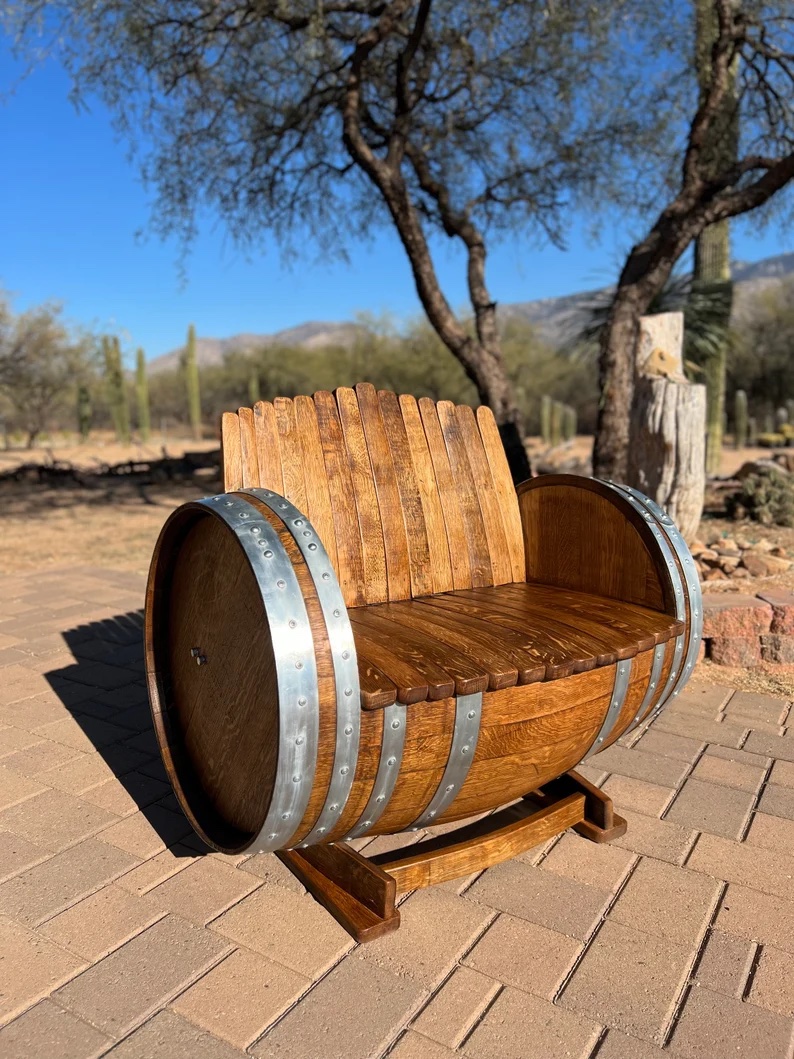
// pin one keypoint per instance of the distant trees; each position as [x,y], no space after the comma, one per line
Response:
[190,367]
[116,388]
[40,365]
[142,396]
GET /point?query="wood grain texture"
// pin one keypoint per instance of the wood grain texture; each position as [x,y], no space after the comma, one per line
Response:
[484,491]
[370,527]
[480,845]
[318,497]
[395,540]
[350,559]
[248,457]
[580,534]
[268,450]
[420,571]
[291,453]
[437,540]
[231,452]
[448,495]
[465,489]
[505,490]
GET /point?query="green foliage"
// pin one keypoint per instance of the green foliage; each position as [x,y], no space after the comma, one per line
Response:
[192,384]
[142,396]
[740,419]
[767,497]
[555,423]
[770,439]
[116,388]
[568,422]
[84,412]
[254,391]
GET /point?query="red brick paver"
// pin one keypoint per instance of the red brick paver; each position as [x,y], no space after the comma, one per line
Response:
[121,936]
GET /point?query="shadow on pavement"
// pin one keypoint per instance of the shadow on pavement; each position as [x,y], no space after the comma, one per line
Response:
[105,692]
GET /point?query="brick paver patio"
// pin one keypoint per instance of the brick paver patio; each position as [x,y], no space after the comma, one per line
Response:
[120,935]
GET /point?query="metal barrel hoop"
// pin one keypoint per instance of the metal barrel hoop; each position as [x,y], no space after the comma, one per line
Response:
[296,667]
[675,575]
[391,755]
[468,714]
[653,684]
[619,691]
[343,653]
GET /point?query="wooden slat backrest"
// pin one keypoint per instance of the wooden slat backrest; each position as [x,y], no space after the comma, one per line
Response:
[410,498]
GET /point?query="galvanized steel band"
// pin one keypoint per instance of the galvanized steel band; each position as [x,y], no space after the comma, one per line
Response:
[391,755]
[653,683]
[296,668]
[622,678]
[468,713]
[343,653]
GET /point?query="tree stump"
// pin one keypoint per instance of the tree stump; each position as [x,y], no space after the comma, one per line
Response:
[668,423]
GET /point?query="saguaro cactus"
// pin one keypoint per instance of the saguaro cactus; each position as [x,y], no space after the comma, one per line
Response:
[117,394]
[192,384]
[555,424]
[568,422]
[545,419]
[142,396]
[740,419]
[84,412]
[253,386]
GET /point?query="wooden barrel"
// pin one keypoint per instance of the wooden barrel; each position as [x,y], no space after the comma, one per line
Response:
[254,685]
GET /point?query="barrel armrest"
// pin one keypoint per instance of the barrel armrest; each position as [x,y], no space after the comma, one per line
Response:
[586,535]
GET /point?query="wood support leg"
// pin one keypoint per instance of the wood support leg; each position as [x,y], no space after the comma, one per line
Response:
[360,893]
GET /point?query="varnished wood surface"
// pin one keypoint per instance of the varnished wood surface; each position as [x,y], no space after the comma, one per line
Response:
[579,534]
[409,498]
[482,844]
[493,637]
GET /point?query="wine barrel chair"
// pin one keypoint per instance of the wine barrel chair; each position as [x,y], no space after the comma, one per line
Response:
[372,631]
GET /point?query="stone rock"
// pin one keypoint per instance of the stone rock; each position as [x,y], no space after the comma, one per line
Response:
[781,553]
[696,547]
[782,603]
[785,460]
[761,547]
[756,564]
[743,544]
[739,572]
[735,651]
[715,575]
[708,555]
[728,563]
[776,565]
[758,467]
[735,616]
[777,648]
[728,546]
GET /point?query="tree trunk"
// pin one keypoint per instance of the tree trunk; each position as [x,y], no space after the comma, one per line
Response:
[32,435]
[667,426]
[616,381]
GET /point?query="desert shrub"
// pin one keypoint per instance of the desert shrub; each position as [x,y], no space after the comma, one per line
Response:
[767,496]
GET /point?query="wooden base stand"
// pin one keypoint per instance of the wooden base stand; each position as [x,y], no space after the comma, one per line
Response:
[360,892]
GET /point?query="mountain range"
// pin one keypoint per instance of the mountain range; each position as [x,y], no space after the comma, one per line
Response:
[555,319]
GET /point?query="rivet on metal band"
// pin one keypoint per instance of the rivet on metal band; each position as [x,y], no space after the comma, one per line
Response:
[653,684]
[468,711]
[391,755]
[343,653]
[622,678]
[296,668]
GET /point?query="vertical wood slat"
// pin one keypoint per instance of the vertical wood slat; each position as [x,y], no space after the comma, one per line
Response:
[370,526]
[501,569]
[505,490]
[268,450]
[473,524]
[350,568]
[448,495]
[394,537]
[231,453]
[250,465]
[431,501]
[413,514]
[318,498]
[291,453]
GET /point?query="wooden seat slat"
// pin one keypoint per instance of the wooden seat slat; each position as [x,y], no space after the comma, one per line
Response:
[318,497]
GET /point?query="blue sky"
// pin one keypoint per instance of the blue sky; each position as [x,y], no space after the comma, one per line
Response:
[71,205]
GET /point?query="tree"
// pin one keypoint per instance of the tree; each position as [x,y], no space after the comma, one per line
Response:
[39,364]
[192,384]
[433,116]
[748,78]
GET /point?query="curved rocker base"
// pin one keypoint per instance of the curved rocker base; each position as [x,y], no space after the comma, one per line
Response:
[360,892]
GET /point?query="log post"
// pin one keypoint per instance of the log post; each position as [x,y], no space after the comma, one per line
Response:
[668,422]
